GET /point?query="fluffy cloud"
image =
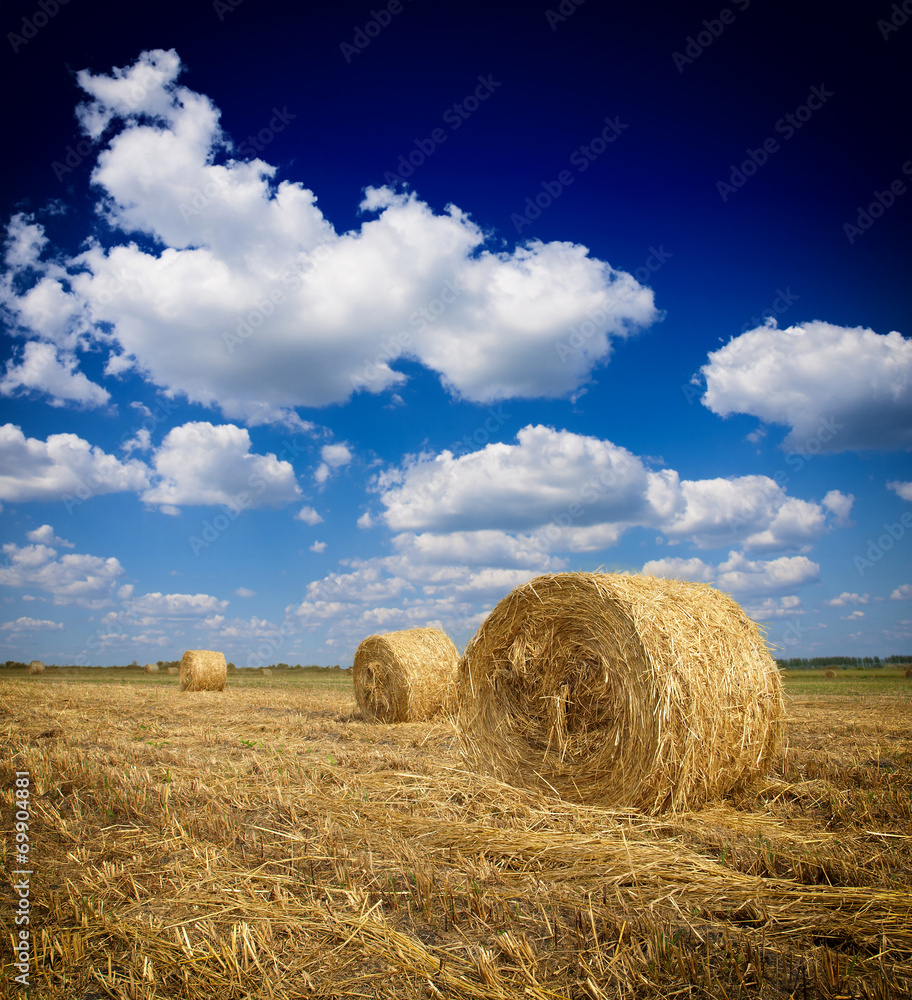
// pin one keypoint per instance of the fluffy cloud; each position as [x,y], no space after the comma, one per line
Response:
[63,466]
[87,581]
[200,463]
[257,305]
[901,489]
[309,516]
[30,624]
[837,388]
[42,369]
[334,456]
[739,575]
[847,598]
[576,493]
[902,593]
[45,536]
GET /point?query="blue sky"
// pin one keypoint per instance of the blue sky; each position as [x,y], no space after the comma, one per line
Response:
[320,321]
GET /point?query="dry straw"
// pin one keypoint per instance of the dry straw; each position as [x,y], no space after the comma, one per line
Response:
[151,668]
[202,670]
[36,667]
[405,676]
[622,691]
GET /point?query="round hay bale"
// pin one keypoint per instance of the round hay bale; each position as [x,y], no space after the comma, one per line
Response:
[266,672]
[36,667]
[203,670]
[405,676]
[908,672]
[151,668]
[621,691]
[829,674]
[173,671]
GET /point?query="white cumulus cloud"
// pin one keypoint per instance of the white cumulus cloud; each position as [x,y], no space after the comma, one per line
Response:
[63,466]
[255,303]
[201,463]
[84,580]
[837,388]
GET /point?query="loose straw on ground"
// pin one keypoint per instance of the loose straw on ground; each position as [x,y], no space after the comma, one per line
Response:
[622,691]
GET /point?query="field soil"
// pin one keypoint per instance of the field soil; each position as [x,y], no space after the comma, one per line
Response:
[268,842]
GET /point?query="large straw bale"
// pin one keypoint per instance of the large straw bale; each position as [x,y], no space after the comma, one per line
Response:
[405,676]
[36,667]
[151,668]
[203,670]
[622,691]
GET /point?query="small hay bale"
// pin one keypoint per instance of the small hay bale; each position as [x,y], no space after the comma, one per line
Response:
[405,676]
[36,667]
[173,671]
[203,670]
[150,668]
[830,675]
[621,691]
[267,672]
[908,672]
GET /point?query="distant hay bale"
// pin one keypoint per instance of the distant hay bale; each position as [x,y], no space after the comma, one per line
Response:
[36,667]
[829,674]
[405,676]
[151,668]
[908,672]
[622,691]
[173,671]
[202,670]
[267,672]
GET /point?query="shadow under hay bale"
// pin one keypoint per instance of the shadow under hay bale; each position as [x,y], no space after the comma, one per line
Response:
[405,676]
[622,691]
[203,670]
[36,667]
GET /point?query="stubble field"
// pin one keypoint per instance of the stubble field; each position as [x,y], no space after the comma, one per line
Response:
[268,842]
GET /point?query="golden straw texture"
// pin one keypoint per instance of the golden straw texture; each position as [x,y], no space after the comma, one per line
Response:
[202,670]
[622,691]
[405,676]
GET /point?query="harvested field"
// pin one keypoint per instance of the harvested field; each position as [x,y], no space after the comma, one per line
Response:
[267,841]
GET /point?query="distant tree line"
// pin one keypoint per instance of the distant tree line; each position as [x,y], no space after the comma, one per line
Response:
[858,662]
